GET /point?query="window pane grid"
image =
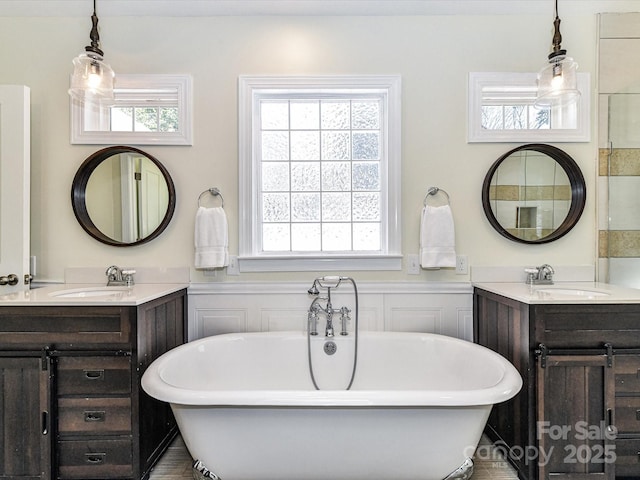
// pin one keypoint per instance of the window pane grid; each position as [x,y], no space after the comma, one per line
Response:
[333,150]
[128,118]
[514,116]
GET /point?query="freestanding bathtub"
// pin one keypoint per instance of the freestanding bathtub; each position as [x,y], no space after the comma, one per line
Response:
[247,409]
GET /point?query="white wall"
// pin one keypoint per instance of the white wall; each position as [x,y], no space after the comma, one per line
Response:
[432,53]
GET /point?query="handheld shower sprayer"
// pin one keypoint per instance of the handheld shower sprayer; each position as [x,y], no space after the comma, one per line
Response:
[314,288]
[328,282]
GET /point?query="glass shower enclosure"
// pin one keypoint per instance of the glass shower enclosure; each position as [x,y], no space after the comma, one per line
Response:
[620,243]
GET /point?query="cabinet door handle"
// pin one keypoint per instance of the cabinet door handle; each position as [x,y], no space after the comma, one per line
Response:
[11,279]
[610,421]
[94,374]
[94,416]
[94,458]
[45,423]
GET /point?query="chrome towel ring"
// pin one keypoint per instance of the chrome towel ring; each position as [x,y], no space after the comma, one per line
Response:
[215,191]
[434,191]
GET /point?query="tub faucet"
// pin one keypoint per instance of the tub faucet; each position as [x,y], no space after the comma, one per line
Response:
[315,309]
[118,277]
[542,275]
[327,282]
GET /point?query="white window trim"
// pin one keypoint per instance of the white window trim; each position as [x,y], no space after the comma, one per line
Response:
[183,136]
[475,132]
[248,260]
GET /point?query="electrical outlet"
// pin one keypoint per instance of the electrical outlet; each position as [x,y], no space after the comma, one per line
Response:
[413,265]
[233,268]
[462,265]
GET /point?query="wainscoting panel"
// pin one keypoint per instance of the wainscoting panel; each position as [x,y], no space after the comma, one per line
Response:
[437,307]
[412,319]
[216,321]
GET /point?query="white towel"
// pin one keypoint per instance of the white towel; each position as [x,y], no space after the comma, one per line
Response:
[211,238]
[437,237]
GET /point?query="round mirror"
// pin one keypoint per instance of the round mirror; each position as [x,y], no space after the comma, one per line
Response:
[123,196]
[534,194]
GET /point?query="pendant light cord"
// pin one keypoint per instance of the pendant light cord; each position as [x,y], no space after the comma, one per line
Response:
[94,35]
[557,37]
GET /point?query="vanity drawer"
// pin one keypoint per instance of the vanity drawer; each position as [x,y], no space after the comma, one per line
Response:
[71,328]
[94,375]
[95,459]
[94,415]
[627,414]
[628,458]
[627,371]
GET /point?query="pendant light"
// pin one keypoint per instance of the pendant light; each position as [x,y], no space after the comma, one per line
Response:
[92,80]
[557,81]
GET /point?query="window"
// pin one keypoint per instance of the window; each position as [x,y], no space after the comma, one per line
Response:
[501,110]
[319,173]
[148,110]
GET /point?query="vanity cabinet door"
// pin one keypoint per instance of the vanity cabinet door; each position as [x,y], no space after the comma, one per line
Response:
[502,325]
[25,419]
[627,415]
[575,409]
[161,326]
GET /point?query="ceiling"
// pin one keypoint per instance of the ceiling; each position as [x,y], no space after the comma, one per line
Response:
[106,8]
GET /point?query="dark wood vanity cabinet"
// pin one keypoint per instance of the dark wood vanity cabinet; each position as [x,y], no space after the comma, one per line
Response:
[577,416]
[71,405]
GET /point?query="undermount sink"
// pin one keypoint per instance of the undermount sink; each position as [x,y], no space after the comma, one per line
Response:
[90,292]
[572,292]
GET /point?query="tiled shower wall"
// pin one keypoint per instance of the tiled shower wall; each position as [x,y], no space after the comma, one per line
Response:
[619,149]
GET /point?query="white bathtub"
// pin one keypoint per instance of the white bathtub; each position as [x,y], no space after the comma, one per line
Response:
[247,409]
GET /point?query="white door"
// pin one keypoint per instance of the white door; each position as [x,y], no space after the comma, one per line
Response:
[154,197]
[14,187]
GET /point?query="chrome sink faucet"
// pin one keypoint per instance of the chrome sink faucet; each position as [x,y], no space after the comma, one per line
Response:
[542,275]
[119,277]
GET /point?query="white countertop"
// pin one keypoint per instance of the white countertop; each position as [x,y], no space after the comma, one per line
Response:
[72,294]
[563,292]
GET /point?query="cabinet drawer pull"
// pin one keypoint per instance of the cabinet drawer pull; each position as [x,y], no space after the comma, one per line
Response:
[94,374]
[94,416]
[94,458]
[45,423]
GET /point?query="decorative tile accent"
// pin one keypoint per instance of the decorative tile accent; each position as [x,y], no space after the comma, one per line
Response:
[624,162]
[603,244]
[603,162]
[620,243]
[532,192]
[504,192]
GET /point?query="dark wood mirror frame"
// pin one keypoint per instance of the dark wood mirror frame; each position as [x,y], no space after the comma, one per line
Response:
[79,193]
[577,184]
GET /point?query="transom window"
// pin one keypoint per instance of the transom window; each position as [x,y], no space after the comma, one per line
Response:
[501,109]
[321,164]
[147,110]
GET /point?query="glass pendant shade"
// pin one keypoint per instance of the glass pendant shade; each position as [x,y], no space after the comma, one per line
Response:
[558,82]
[92,79]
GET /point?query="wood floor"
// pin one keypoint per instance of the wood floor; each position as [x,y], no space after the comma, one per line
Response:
[176,465]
